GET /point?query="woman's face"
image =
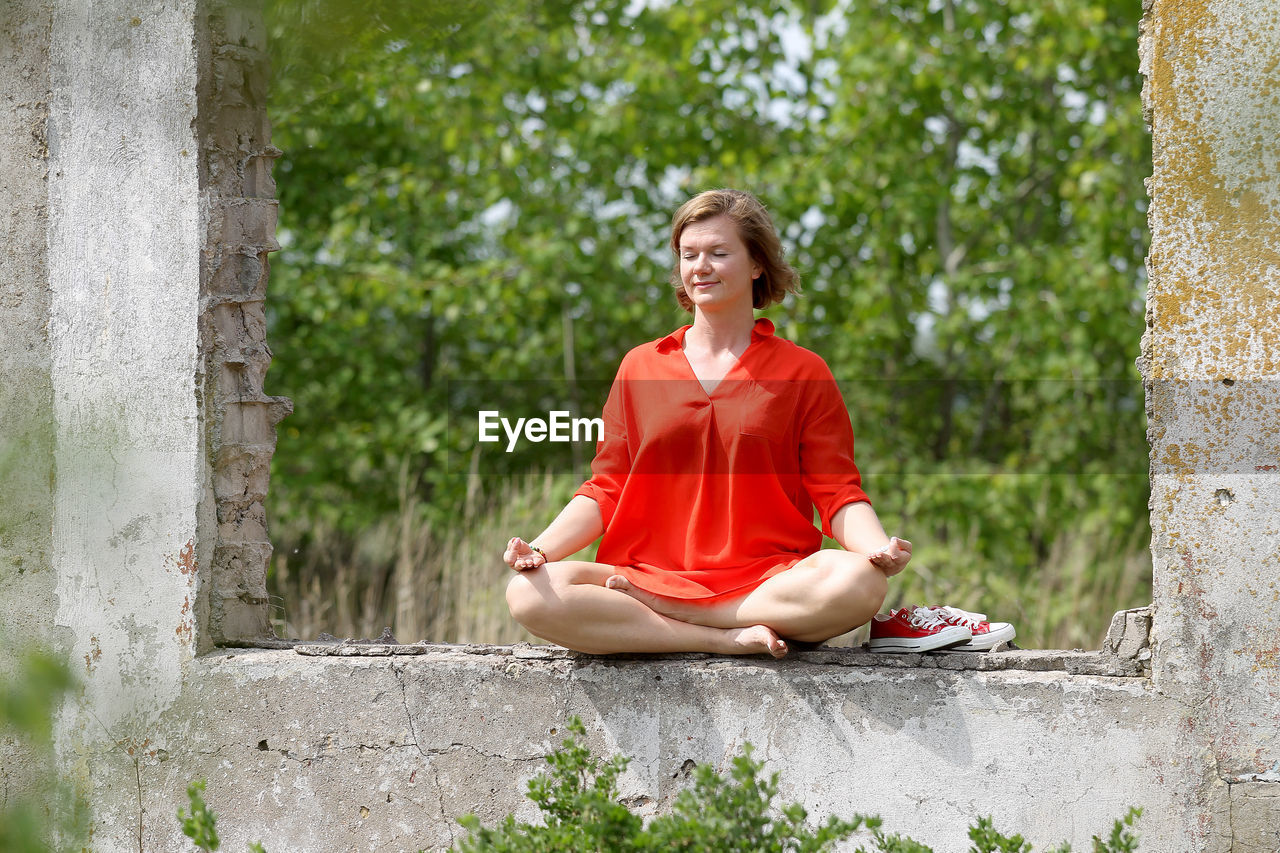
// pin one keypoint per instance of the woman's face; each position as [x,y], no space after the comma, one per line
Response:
[716,267]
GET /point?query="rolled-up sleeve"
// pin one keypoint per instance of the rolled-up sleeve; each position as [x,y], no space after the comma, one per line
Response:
[827,468]
[612,462]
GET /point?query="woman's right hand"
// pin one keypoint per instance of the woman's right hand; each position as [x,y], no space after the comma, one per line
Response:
[520,556]
[893,557]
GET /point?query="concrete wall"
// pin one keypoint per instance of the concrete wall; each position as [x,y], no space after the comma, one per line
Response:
[26,395]
[385,752]
[123,236]
[136,223]
[1211,363]
[26,391]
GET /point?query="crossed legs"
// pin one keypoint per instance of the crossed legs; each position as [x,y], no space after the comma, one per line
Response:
[586,607]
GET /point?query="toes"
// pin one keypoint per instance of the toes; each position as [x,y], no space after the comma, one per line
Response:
[619,583]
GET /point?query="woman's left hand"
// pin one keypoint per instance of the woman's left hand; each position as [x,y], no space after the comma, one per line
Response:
[893,557]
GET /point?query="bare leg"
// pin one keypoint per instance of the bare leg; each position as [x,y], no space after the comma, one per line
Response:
[567,603]
[822,596]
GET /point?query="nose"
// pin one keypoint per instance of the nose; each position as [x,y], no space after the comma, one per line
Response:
[702,262]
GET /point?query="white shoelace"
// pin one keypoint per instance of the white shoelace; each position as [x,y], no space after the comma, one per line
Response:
[927,619]
[956,616]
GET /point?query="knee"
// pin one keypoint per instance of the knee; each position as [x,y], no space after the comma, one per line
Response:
[525,600]
[852,578]
[875,588]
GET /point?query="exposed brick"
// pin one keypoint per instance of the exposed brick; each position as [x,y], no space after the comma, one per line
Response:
[246,423]
[241,27]
[241,374]
[236,159]
[240,571]
[242,471]
[249,224]
[239,131]
[235,619]
[229,324]
[242,521]
[239,275]
[258,180]
[239,76]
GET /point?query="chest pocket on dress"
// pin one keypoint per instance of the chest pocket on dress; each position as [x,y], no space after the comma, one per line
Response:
[767,410]
[764,426]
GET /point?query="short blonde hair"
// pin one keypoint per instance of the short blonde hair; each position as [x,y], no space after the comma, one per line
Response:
[755,229]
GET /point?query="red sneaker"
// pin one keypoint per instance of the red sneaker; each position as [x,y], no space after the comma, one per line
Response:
[986,634]
[914,629]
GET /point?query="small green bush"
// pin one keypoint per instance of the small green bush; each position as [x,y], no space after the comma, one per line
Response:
[201,825]
[39,814]
[578,799]
[579,803]
[581,813]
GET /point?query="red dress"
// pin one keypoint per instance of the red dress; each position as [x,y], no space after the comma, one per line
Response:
[705,496]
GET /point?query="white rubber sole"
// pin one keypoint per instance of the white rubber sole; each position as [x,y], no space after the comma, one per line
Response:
[946,638]
[1000,632]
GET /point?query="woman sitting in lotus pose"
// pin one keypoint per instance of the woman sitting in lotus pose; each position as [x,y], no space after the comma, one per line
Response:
[719,441]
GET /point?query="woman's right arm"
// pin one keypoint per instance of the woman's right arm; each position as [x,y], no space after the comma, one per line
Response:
[577,526]
[584,518]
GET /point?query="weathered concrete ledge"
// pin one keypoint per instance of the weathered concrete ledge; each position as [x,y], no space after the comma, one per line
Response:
[386,751]
[1075,662]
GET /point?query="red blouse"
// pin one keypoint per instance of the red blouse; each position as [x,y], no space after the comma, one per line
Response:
[706,495]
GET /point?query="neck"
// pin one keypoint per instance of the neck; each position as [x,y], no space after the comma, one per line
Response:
[721,331]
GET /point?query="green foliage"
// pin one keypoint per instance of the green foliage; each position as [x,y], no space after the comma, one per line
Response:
[466,218]
[735,813]
[201,825]
[580,809]
[42,810]
[986,839]
[578,799]
[1121,839]
[28,700]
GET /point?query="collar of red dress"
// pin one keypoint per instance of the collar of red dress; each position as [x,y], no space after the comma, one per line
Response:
[763,328]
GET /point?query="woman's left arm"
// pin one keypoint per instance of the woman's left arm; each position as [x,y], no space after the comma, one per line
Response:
[857,528]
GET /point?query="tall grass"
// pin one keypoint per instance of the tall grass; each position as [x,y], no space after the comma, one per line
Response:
[1065,603]
[447,583]
[437,583]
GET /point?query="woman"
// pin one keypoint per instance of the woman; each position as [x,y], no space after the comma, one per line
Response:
[720,438]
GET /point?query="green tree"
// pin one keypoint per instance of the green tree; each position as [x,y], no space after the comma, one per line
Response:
[469,219]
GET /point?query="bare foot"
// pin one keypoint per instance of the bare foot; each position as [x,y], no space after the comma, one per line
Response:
[666,606]
[757,639]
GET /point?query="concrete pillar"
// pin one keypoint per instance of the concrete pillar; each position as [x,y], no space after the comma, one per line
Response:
[136,212]
[26,390]
[1211,364]
[124,239]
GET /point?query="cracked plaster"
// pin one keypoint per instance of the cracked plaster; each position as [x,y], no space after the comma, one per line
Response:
[157,551]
